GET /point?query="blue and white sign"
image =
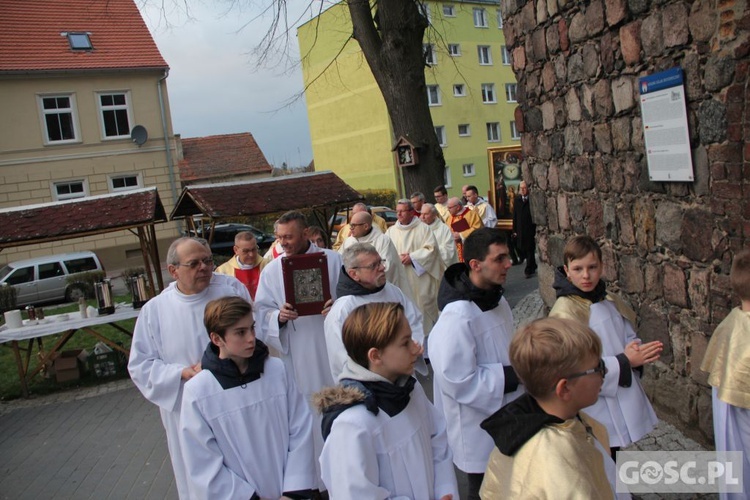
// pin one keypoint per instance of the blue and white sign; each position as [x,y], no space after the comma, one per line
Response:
[665,126]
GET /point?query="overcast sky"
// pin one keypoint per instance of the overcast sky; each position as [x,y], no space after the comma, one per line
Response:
[215,86]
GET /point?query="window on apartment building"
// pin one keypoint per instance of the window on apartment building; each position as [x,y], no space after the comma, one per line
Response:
[447,177]
[510,92]
[499,19]
[449,10]
[59,116]
[430,55]
[115,114]
[464,130]
[514,131]
[506,55]
[459,90]
[124,182]
[485,56]
[426,11]
[468,169]
[488,93]
[68,190]
[454,49]
[440,133]
[79,41]
[433,95]
[480,18]
[493,132]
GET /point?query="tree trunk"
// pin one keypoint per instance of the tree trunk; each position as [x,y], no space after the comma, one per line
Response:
[391,40]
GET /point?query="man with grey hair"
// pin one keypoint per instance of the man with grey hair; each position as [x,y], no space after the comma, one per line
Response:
[169,337]
[418,253]
[462,221]
[345,230]
[246,263]
[443,235]
[363,281]
[363,231]
[417,200]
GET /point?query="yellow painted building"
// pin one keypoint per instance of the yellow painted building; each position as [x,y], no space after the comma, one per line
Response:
[470,85]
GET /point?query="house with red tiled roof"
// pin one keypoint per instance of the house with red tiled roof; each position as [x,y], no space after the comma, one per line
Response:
[86,112]
[221,158]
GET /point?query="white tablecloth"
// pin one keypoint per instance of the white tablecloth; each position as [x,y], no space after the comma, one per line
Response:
[52,324]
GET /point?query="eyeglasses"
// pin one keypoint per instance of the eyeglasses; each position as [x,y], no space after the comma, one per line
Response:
[352,224]
[601,369]
[373,266]
[193,264]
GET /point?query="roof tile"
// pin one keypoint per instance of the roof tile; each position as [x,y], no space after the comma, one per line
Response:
[221,156]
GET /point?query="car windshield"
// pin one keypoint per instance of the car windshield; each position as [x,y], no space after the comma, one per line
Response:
[5,271]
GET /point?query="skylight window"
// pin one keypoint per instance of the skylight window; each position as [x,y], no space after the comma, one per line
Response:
[79,41]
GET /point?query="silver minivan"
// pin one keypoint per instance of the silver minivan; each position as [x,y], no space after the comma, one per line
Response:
[45,279]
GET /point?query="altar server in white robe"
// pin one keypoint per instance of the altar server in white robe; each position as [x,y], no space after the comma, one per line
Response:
[362,281]
[443,234]
[727,361]
[384,439]
[363,231]
[300,340]
[243,402]
[419,254]
[169,336]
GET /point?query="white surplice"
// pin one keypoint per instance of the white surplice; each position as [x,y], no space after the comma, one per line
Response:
[169,335]
[446,243]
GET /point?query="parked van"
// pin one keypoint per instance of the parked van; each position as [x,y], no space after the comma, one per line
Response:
[45,279]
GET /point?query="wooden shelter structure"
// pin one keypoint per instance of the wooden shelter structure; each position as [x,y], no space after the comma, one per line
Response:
[322,192]
[136,211]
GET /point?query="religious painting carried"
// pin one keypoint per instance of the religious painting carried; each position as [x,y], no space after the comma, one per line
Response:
[306,282]
[505,176]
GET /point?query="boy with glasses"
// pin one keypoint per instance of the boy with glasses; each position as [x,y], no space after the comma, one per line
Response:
[545,446]
[582,295]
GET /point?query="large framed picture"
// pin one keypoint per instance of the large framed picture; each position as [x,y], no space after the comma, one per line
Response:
[306,284]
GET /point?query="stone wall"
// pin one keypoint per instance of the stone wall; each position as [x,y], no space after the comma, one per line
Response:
[667,246]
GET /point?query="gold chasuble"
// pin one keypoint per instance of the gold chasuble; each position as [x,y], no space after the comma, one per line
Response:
[464,223]
[727,359]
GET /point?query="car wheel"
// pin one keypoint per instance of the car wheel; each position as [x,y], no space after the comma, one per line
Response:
[75,292]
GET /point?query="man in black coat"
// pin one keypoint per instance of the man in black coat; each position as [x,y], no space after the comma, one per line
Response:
[524,229]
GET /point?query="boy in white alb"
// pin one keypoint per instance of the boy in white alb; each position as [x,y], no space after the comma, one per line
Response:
[383,437]
[581,295]
[727,362]
[245,430]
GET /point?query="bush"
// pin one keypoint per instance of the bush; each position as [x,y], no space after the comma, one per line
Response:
[380,197]
[86,281]
[132,272]
[7,298]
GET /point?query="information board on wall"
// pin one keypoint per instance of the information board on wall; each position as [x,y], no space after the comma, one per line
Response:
[665,126]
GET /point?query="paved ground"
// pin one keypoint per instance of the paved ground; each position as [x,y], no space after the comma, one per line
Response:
[108,442]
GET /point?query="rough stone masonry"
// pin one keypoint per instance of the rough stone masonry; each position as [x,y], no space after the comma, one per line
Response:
[667,246]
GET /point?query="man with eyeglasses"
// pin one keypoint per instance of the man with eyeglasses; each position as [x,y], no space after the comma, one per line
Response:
[420,258]
[363,231]
[169,337]
[246,263]
[441,198]
[363,281]
[300,340]
[468,349]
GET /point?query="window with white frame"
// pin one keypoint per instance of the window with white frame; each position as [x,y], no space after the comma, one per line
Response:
[433,95]
[59,117]
[449,10]
[124,182]
[464,130]
[454,49]
[506,55]
[488,93]
[499,19]
[447,177]
[468,169]
[430,55]
[115,114]
[459,90]
[485,56]
[510,92]
[68,190]
[514,131]
[440,133]
[480,18]
[493,132]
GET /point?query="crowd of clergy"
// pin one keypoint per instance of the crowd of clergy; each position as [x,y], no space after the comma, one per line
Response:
[262,399]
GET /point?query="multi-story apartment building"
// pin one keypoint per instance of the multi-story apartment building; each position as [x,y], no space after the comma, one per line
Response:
[471,90]
[76,78]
